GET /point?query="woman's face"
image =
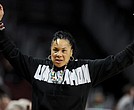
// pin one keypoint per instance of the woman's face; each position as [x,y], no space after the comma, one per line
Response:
[61,52]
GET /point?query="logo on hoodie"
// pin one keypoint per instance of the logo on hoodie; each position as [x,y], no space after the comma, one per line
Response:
[77,76]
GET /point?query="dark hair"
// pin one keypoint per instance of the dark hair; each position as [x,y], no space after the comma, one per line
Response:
[66,36]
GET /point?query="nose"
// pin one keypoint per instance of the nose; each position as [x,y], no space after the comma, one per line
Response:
[59,53]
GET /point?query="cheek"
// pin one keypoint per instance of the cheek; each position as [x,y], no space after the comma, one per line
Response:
[52,56]
[67,57]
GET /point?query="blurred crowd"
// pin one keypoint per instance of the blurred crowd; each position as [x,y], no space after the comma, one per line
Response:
[98,100]
[7,103]
[15,93]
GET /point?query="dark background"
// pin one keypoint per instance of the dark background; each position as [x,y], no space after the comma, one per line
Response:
[100,28]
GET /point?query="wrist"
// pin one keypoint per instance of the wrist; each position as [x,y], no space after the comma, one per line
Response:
[2,27]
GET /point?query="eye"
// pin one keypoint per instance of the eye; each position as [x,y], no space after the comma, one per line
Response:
[64,51]
[55,50]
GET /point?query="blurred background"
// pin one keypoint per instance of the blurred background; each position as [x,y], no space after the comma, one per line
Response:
[100,28]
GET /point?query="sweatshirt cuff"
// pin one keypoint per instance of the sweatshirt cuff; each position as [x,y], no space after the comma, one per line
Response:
[2,34]
[131,48]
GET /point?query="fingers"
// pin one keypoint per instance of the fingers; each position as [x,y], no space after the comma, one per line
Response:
[1,16]
[1,7]
[1,12]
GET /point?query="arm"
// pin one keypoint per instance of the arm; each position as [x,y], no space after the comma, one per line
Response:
[20,62]
[102,69]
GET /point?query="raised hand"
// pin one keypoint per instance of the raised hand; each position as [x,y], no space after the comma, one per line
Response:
[1,12]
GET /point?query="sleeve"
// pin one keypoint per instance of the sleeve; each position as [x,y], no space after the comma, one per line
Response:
[102,69]
[22,63]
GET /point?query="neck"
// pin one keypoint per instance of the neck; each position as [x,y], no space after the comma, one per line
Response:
[55,68]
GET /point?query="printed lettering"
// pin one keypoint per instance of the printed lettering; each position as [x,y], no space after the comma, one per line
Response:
[77,76]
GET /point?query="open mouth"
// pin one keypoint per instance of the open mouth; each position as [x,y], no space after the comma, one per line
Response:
[58,61]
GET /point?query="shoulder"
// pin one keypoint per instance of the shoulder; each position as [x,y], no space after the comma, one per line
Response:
[83,61]
[79,62]
[43,61]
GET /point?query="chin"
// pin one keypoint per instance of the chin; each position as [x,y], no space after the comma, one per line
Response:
[59,65]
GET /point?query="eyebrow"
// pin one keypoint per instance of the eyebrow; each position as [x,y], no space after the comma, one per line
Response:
[62,48]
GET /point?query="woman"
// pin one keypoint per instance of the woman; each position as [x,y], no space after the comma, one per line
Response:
[61,82]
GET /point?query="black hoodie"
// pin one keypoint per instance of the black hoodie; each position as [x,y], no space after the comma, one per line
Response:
[80,75]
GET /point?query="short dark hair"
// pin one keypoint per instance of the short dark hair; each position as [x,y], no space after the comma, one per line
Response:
[66,36]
